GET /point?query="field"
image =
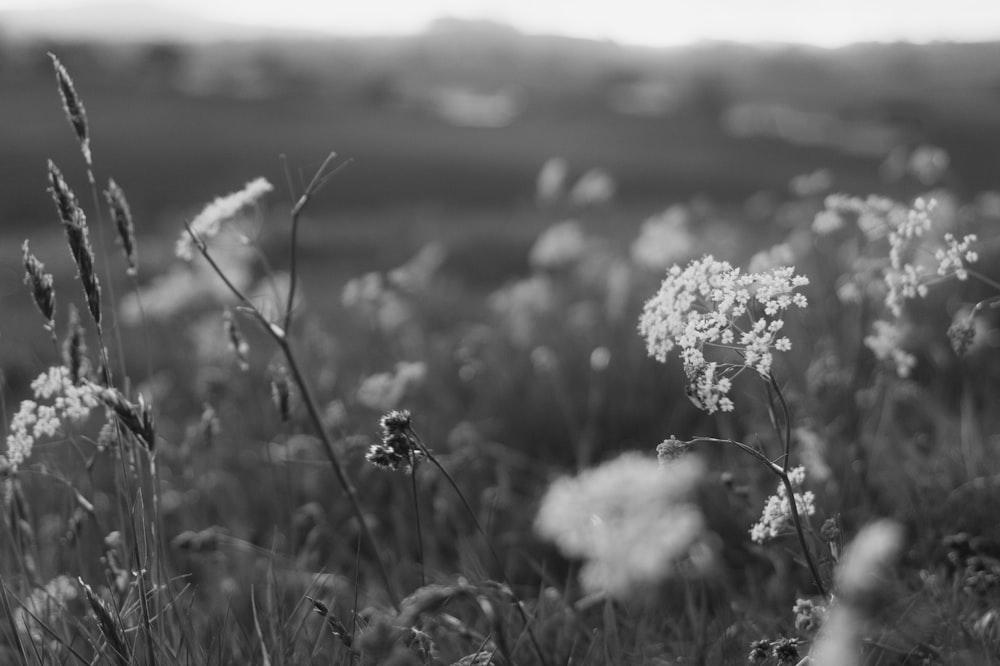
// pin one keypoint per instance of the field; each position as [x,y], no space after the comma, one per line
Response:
[407,405]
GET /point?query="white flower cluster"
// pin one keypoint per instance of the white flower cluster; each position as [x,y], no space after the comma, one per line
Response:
[952,258]
[629,519]
[777,516]
[385,390]
[711,304]
[886,341]
[34,420]
[209,221]
[905,227]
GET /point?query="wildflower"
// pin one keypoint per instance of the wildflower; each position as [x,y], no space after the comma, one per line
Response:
[384,391]
[522,304]
[811,184]
[41,286]
[827,222]
[786,650]
[776,518]
[950,259]
[561,245]
[670,450]
[928,164]
[961,334]
[416,274]
[122,216]
[773,257]
[208,222]
[594,188]
[395,421]
[760,650]
[629,519]
[808,615]
[885,342]
[398,448]
[35,419]
[46,605]
[551,180]
[664,239]
[706,306]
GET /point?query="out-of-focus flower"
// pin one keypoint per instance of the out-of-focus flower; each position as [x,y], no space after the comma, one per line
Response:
[928,164]
[559,246]
[416,275]
[385,390]
[664,240]
[827,222]
[776,518]
[595,187]
[207,224]
[629,519]
[370,295]
[521,304]
[46,605]
[771,258]
[886,342]
[811,184]
[808,615]
[551,180]
[705,306]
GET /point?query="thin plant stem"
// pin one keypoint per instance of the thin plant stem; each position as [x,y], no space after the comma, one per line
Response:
[782,475]
[416,509]
[280,338]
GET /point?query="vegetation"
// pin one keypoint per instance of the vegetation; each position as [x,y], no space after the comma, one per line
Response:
[697,444]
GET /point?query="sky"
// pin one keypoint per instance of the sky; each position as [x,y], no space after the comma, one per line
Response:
[646,22]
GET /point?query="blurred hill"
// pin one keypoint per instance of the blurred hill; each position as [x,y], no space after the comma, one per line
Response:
[466,112]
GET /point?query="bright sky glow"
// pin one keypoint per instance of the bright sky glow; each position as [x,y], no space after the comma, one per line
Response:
[650,22]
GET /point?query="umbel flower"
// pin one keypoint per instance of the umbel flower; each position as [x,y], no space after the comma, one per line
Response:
[711,305]
[630,520]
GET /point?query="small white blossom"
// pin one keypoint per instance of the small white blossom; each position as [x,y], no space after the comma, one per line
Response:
[35,419]
[886,343]
[776,518]
[559,246]
[952,258]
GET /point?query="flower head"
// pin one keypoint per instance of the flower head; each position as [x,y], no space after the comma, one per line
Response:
[776,518]
[709,305]
[629,519]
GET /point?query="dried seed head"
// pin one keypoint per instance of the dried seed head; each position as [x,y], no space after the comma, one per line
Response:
[237,343]
[398,420]
[670,450]
[41,286]
[75,224]
[73,107]
[122,216]
[74,349]
[961,334]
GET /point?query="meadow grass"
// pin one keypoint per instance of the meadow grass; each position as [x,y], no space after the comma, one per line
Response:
[470,454]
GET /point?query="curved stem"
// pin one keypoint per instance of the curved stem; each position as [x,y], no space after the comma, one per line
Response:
[797,521]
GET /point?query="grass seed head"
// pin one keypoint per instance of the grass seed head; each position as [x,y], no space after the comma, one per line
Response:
[74,349]
[122,216]
[73,107]
[42,291]
[77,233]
